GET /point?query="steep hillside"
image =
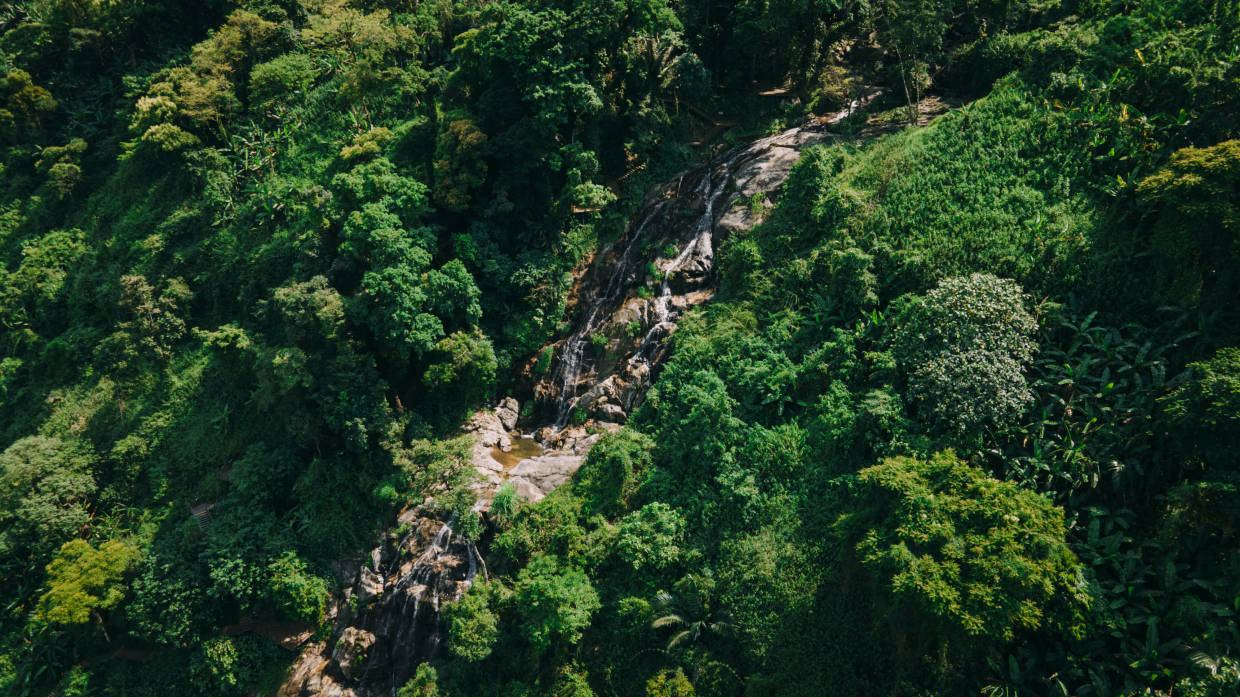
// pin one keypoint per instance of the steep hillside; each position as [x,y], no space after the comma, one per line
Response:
[962,415]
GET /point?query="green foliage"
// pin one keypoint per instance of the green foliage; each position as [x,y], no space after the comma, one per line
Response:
[264,256]
[467,370]
[295,592]
[651,537]
[423,684]
[84,581]
[1093,422]
[556,603]
[282,78]
[669,683]
[440,468]
[45,485]
[1206,410]
[472,627]
[964,347]
[229,667]
[976,554]
[613,471]
[1197,209]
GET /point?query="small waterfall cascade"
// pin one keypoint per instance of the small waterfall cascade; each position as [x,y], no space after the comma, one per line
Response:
[629,300]
[568,367]
[389,620]
[405,619]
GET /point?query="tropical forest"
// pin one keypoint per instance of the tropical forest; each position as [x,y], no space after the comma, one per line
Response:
[620,348]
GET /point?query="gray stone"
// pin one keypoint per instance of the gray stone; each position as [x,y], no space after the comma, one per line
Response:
[547,471]
[369,585]
[508,411]
[488,430]
[351,650]
[526,489]
[613,413]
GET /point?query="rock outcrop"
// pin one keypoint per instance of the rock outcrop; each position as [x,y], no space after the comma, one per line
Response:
[629,300]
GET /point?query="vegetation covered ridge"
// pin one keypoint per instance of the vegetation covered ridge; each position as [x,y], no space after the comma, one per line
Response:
[963,416]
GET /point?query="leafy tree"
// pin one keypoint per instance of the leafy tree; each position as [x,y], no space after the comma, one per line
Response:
[1196,210]
[294,591]
[439,468]
[978,555]
[472,627]
[85,581]
[467,370]
[571,682]
[669,683]
[27,107]
[152,324]
[45,489]
[282,78]
[424,683]
[312,312]
[1205,410]
[555,603]
[459,163]
[613,471]
[651,537]
[964,347]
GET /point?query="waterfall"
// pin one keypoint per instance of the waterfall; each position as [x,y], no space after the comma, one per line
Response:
[569,367]
[711,184]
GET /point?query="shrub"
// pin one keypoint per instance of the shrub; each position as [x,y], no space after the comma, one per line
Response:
[472,627]
[288,75]
[963,347]
[44,487]
[972,552]
[651,537]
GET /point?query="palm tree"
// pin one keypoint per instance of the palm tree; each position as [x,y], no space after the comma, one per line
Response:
[692,618]
[696,624]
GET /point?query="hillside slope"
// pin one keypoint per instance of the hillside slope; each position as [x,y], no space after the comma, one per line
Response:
[962,416]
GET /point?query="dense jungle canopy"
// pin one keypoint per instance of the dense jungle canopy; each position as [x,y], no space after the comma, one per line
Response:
[963,417]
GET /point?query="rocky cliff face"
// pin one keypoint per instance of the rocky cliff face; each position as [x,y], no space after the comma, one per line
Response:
[628,302]
[386,620]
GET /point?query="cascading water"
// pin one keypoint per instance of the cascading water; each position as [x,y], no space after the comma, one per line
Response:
[569,367]
[699,245]
[605,300]
[395,620]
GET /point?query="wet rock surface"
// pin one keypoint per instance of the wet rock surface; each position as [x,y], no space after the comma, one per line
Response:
[387,620]
[629,300]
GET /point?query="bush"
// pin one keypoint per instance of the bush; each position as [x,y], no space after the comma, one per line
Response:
[45,485]
[295,592]
[286,76]
[1205,411]
[964,347]
[975,554]
[614,469]
[651,537]
[472,627]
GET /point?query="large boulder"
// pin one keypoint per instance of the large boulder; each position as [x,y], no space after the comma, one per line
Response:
[369,585]
[488,430]
[547,471]
[508,411]
[351,650]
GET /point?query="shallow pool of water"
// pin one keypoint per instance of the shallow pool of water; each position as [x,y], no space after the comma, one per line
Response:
[523,448]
